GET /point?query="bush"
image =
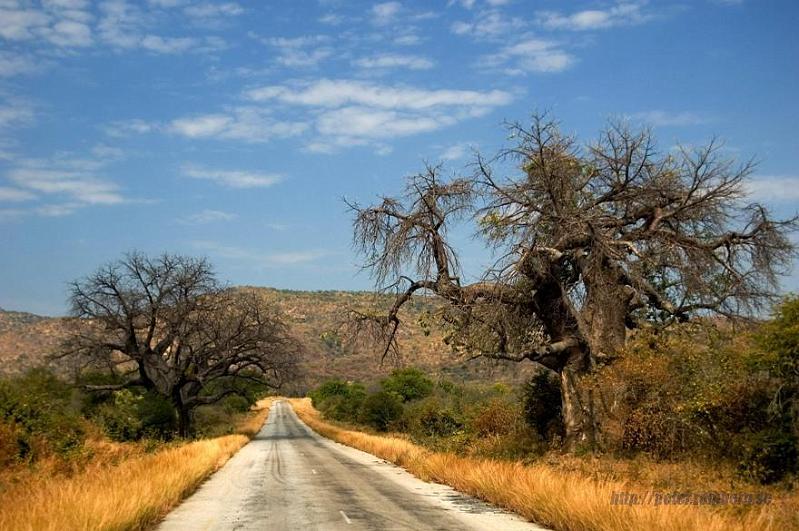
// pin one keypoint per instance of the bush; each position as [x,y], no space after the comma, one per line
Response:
[339,400]
[431,418]
[767,456]
[542,404]
[381,410]
[408,384]
[38,412]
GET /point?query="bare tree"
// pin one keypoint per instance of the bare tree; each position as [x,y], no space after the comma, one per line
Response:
[591,241]
[166,324]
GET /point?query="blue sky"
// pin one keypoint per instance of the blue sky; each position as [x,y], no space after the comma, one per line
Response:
[233,129]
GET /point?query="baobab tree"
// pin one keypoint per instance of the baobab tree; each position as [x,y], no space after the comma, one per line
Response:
[590,242]
[165,324]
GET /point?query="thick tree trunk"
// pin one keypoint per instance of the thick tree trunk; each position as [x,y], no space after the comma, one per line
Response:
[579,421]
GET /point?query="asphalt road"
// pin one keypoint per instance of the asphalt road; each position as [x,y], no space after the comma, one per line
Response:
[290,478]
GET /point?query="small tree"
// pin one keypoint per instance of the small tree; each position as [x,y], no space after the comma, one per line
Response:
[166,324]
[591,242]
[409,384]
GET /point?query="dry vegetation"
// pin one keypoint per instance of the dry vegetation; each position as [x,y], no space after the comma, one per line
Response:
[553,495]
[316,319]
[123,487]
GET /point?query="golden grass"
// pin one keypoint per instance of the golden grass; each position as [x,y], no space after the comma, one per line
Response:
[551,497]
[134,494]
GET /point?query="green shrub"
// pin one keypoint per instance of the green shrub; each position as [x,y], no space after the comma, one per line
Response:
[431,418]
[339,400]
[381,410]
[767,456]
[408,384]
[40,412]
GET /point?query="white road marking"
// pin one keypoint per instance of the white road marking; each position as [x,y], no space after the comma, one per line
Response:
[346,518]
[314,471]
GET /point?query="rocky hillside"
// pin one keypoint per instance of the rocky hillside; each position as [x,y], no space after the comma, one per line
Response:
[316,317]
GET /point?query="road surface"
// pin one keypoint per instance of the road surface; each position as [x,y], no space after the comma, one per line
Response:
[290,478]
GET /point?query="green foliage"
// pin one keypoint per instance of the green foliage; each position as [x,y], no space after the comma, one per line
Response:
[542,404]
[130,415]
[432,417]
[409,384]
[39,414]
[339,400]
[381,410]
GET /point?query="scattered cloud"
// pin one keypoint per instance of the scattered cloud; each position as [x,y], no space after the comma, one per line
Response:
[124,128]
[351,112]
[12,64]
[299,52]
[489,24]
[529,55]
[209,10]
[250,124]
[207,216]
[385,13]
[771,188]
[15,112]
[233,178]
[624,13]
[659,118]
[388,61]
[456,151]
[8,194]
[258,258]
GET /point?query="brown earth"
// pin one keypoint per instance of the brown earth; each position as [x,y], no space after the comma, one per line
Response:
[316,317]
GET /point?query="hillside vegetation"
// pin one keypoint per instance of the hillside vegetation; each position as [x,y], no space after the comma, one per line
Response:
[316,318]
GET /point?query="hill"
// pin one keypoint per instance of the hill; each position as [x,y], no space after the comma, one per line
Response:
[316,318]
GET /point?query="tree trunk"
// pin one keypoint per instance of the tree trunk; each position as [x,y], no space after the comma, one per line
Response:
[579,419]
[184,421]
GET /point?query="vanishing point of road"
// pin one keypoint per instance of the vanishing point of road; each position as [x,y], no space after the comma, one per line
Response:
[289,478]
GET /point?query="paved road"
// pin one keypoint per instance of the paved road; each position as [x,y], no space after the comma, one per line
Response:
[290,478]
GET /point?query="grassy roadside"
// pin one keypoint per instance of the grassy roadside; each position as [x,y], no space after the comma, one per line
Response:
[550,497]
[133,494]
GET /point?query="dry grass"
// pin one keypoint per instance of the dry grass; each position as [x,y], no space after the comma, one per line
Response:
[548,496]
[133,494]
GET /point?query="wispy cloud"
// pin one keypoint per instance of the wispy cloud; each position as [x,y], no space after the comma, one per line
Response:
[489,24]
[232,178]
[258,258]
[13,64]
[385,13]
[207,216]
[389,60]
[624,13]
[774,188]
[299,52]
[529,55]
[456,151]
[660,118]
[250,124]
[350,112]
[8,194]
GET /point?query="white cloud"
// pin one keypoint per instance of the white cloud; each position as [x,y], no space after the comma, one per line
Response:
[167,45]
[124,128]
[529,55]
[659,118]
[249,124]
[21,23]
[15,113]
[410,39]
[15,64]
[257,258]
[351,113]
[233,178]
[621,14]
[207,216]
[335,93]
[456,151]
[385,13]
[8,194]
[331,19]
[490,24]
[74,179]
[302,51]
[209,10]
[773,188]
[68,33]
[412,62]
